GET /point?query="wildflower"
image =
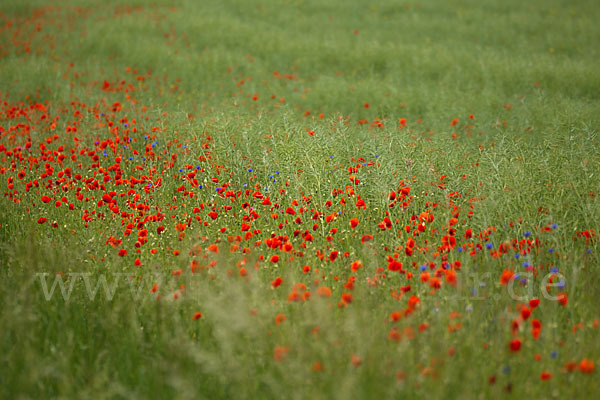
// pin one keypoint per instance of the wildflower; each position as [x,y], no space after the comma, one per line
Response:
[333,255]
[562,299]
[366,238]
[394,265]
[545,376]
[395,316]
[525,312]
[586,366]
[506,277]
[324,291]
[533,303]
[276,282]
[515,345]
[347,298]
[279,318]
[356,265]
[413,302]
[280,352]
[356,360]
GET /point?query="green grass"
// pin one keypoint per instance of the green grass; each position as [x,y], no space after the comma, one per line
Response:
[526,71]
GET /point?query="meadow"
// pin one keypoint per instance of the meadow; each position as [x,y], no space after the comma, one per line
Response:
[299,199]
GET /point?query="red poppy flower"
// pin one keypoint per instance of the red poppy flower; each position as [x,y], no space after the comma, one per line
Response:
[506,276]
[279,353]
[515,345]
[562,299]
[525,312]
[586,366]
[276,282]
[279,318]
[394,265]
[545,376]
[333,255]
[356,265]
[324,291]
[347,298]
[533,303]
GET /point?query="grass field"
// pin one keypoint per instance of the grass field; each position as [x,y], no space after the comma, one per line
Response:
[299,199]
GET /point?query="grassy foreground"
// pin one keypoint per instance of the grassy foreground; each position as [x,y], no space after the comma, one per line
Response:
[291,199]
